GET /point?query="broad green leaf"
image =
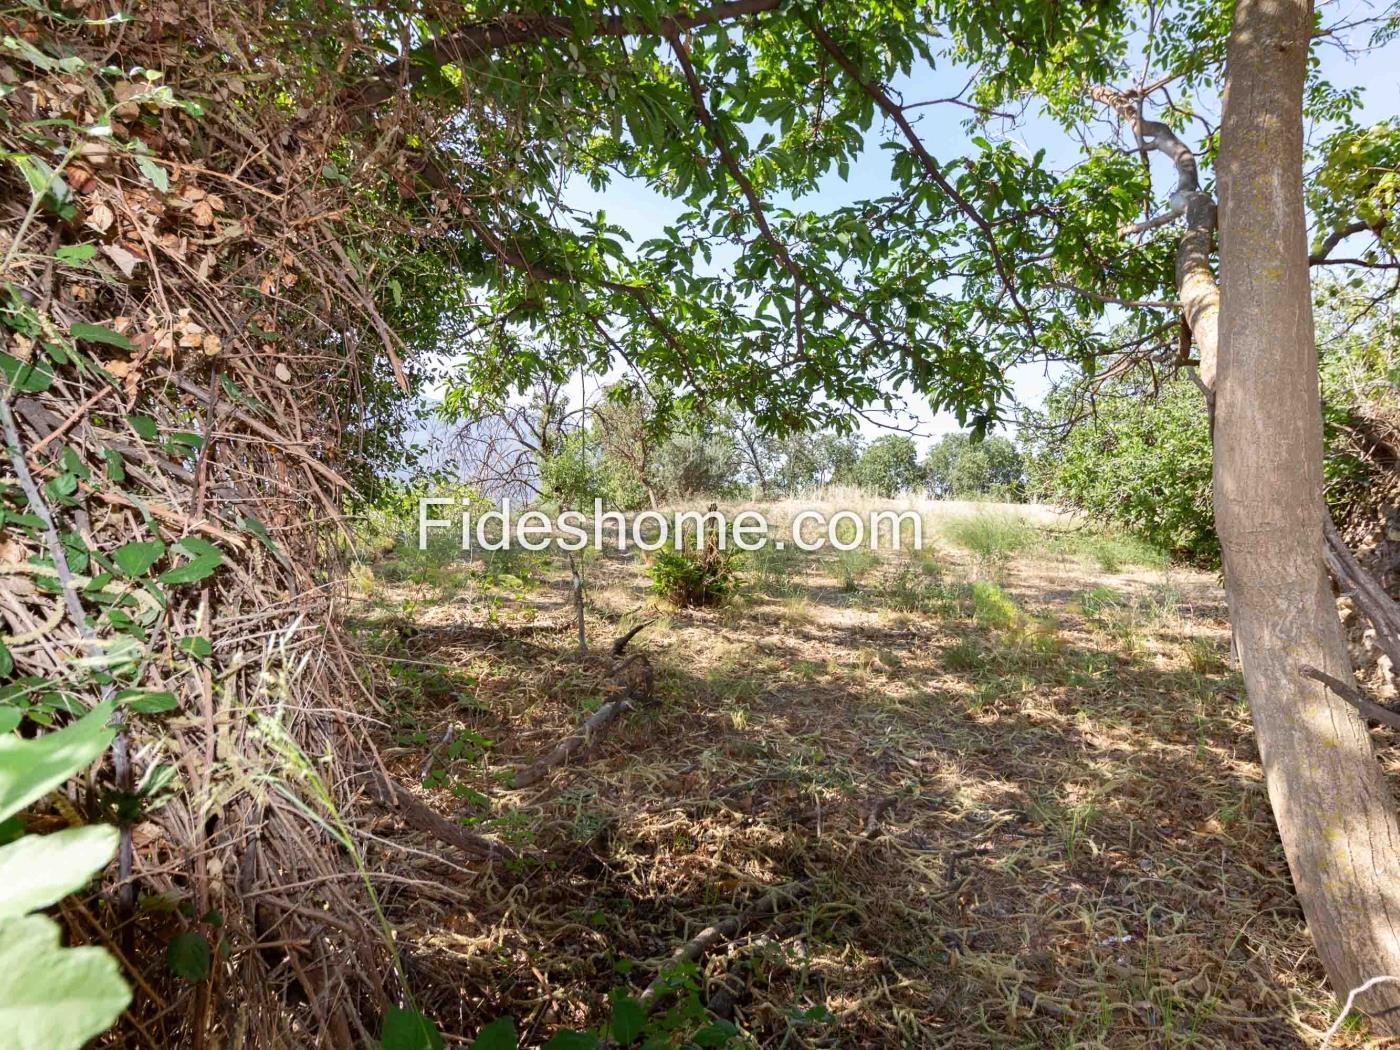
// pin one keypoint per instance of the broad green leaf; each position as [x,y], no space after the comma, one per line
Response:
[193,570]
[571,1041]
[498,1035]
[10,718]
[39,870]
[196,547]
[30,769]
[147,702]
[188,956]
[144,426]
[409,1030]
[96,333]
[75,253]
[159,177]
[628,1019]
[136,557]
[54,998]
[33,377]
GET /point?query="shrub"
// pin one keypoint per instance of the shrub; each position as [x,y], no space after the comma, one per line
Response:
[889,466]
[694,578]
[992,606]
[962,656]
[958,467]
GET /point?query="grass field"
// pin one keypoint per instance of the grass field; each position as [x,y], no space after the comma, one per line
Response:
[998,793]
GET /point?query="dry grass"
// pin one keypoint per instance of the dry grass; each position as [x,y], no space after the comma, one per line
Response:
[1039,829]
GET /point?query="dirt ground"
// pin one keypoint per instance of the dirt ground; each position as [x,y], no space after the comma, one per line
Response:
[952,798]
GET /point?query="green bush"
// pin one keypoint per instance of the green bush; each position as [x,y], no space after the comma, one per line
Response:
[992,607]
[694,578]
[958,467]
[1139,462]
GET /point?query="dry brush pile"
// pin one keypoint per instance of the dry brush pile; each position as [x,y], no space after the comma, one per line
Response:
[188,332]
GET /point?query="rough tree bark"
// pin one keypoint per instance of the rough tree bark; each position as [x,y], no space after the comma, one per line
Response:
[1333,807]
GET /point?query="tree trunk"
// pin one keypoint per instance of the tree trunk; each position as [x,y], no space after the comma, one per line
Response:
[1330,798]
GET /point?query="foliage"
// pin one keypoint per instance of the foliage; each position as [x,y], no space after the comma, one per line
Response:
[577,474]
[695,577]
[889,466]
[1142,463]
[1141,460]
[699,459]
[957,467]
[811,460]
[51,997]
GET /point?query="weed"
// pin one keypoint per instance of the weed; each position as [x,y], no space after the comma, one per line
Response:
[992,607]
[963,656]
[1202,656]
[692,578]
[1095,602]
[772,566]
[852,565]
[991,537]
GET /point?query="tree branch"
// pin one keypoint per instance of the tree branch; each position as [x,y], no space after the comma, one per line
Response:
[479,39]
[1368,708]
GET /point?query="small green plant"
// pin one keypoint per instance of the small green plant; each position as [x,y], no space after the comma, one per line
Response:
[852,565]
[772,566]
[1096,602]
[992,607]
[52,997]
[1202,656]
[992,538]
[963,656]
[694,578]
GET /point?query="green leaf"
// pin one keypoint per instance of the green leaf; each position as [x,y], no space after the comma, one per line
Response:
[498,1035]
[145,426]
[7,662]
[715,1034]
[136,557]
[32,378]
[147,702]
[10,718]
[193,570]
[196,547]
[96,333]
[628,1019]
[75,254]
[54,998]
[409,1030]
[197,646]
[188,957]
[39,870]
[571,1041]
[30,769]
[159,177]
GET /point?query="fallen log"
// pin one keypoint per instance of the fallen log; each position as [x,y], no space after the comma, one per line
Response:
[695,948]
[396,798]
[637,688]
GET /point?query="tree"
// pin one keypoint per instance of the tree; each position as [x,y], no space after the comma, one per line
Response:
[889,466]
[1331,801]
[812,460]
[957,466]
[1135,459]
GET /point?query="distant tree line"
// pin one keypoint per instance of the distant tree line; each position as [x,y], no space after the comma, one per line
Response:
[620,451]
